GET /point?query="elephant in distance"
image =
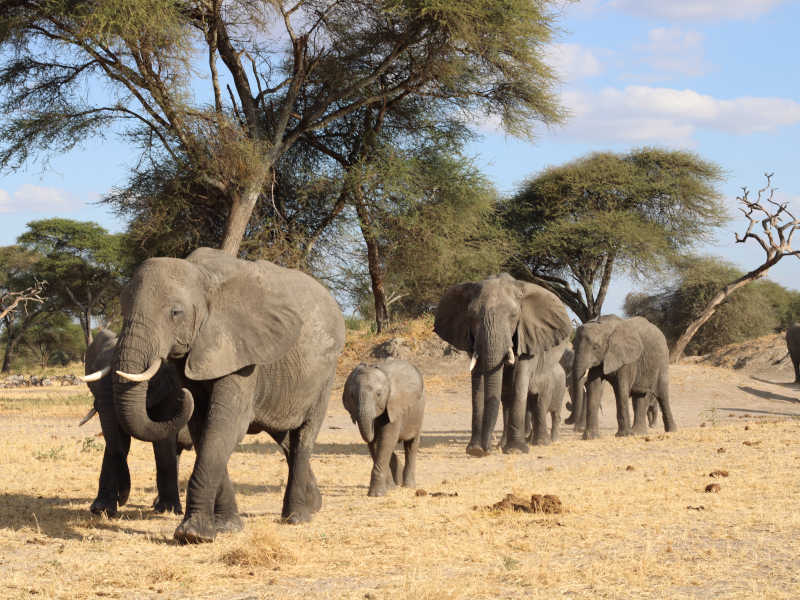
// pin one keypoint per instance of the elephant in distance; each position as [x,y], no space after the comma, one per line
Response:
[513,331]
[631,354]
[793,346]
[115,480]
[387,402]
[255,346]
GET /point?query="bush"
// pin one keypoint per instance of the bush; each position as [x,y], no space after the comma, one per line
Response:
[757,309]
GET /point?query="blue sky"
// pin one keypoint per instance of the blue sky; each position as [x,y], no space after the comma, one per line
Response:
[718,77]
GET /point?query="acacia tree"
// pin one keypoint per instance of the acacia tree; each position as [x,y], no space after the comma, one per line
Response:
[771,225]
[275,72]
[575,224]
[84,264]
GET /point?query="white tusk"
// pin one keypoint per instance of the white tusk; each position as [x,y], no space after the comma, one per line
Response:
[473,362]
[97,375]
[145,376]
[510,360]
[88,416]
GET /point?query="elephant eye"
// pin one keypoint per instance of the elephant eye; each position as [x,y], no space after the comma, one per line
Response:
[176,312]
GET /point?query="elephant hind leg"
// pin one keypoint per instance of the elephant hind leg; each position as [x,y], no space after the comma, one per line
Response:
[662,393]
[409,471]
[796,364]
[640,402]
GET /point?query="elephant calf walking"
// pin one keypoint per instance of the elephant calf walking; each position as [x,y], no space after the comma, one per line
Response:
[387,402]
[545,397]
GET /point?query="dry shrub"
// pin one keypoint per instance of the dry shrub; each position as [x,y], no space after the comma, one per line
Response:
[261,547]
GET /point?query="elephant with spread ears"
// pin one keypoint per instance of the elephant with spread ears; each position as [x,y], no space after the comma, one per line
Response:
[255,346]
[513,331]
[115,480]
[632,355]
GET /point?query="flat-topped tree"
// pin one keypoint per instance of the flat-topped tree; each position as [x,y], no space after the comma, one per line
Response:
[223,88]
[771,224]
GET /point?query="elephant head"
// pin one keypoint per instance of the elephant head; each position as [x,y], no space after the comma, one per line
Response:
[601,342]
[367,395]
[496,321]
[211,313]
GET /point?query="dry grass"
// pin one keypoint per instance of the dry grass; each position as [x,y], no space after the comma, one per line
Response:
[637,522]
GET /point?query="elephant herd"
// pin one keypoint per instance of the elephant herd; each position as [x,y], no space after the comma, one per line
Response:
[213,347]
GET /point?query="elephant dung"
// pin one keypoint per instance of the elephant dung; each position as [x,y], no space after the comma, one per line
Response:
[713,488]
[538,503]
[718,473]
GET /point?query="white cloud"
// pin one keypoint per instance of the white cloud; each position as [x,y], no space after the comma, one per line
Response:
[696,9]
[675,51]
[35,198]
[663,115]
[572,61]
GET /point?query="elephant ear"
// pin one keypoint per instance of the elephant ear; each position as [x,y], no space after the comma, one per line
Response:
[624,347]
[249,322]
[349,399]
[452,319]
[543,320]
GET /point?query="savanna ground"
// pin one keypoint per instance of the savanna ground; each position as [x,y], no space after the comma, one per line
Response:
[638,523]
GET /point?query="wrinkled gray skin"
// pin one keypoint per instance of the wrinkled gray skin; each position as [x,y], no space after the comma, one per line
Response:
[256,348]
[793,345]
[115,479]
[631,354]
[507,326]
[545,397]
[566,362]
[386,401]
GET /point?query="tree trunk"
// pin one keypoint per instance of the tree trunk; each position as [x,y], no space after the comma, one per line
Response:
[374,264]
[680,345]
[242,206]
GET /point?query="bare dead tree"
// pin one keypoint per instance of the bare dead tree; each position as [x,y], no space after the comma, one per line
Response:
[12,300]
[772,226]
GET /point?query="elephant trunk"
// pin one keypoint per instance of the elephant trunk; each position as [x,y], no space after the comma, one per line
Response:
[580,369]
[134,354]
[366,418]
[495,357]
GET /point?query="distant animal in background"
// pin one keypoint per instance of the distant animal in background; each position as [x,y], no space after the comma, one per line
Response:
[387,402]
[115,480]
[793,345]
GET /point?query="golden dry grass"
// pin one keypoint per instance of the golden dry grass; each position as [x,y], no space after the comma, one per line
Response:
[637,521]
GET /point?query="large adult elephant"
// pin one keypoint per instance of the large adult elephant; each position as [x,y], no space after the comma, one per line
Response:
[793,346]
[631,354]
[115,480]
[513,331]
[256,348]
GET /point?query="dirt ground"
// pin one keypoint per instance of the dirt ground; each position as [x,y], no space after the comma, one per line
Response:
[638,522]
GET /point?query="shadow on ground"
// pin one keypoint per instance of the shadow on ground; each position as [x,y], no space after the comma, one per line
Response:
[787,384]
[769,395]
[63,517]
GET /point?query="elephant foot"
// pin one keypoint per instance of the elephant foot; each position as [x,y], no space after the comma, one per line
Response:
[167,506]
[477,451]
[228,523]
[409,482]
[542,441]
[623,433]
[122,495]
[104,506]
[639,431]
[196,529]
[516,448]
[590,434]
[295,517]
[315,499]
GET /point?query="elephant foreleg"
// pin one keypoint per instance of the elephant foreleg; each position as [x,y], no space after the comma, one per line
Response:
[166,455]
[382,472]
[594,393]
[622,392]
[518,406]
[542,408]
[115,480]
[640,404]
[474,445]
[226,512]
[409,471]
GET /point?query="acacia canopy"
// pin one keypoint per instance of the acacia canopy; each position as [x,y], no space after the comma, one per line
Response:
[221,89]
[575,223]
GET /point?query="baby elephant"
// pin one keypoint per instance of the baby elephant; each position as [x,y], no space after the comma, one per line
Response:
[387,403]
[545,396]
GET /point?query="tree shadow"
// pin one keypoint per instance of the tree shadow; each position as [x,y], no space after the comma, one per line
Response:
[58,518]
[772,413]
[791,385]
[768,395]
